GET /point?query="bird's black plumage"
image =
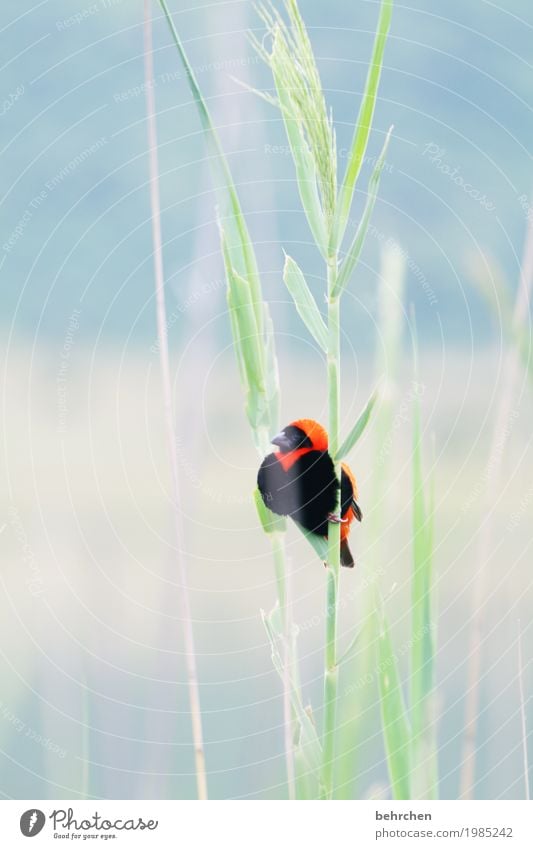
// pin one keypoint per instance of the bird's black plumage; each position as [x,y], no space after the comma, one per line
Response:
[307,491]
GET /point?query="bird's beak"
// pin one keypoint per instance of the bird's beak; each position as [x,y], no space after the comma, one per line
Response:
[282,441]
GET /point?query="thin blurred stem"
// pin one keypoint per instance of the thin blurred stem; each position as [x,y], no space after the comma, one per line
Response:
[331,671]
[510,372]
[183,596]
[523,712]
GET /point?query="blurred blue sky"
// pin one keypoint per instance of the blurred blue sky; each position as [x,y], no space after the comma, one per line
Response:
[456,85]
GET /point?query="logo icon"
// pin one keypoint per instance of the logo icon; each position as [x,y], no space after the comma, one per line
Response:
[32,822]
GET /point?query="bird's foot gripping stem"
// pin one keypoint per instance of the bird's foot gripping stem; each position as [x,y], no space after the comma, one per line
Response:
[337,520]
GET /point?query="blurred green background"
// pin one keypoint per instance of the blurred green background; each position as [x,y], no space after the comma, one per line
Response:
[91,647]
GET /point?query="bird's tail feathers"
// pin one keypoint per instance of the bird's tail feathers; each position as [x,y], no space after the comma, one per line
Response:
[346,555]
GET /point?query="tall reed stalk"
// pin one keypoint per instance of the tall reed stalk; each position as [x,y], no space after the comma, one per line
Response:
[331,671]
[183,595]
[311,136]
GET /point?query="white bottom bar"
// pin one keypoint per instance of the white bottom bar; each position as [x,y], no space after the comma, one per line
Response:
[267,825]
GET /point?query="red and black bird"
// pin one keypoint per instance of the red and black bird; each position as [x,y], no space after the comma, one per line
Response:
[299,481]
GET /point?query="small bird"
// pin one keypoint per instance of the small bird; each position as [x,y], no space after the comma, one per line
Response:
[299,481]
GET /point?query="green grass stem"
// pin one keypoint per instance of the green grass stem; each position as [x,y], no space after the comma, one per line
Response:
[331,672]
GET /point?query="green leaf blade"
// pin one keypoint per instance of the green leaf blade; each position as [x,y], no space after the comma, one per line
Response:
[272,385]
[359,427]
[364,124]
[250,349]
[304,302]
[270,522]
[249,340]
[307,742]
[320,544]
[354,251]
[240,246]
[396,729]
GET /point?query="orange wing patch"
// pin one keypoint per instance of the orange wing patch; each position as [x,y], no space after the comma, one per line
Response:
[352,479]
[349,515]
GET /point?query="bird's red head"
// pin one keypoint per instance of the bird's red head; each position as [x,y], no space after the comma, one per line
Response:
[302,434]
